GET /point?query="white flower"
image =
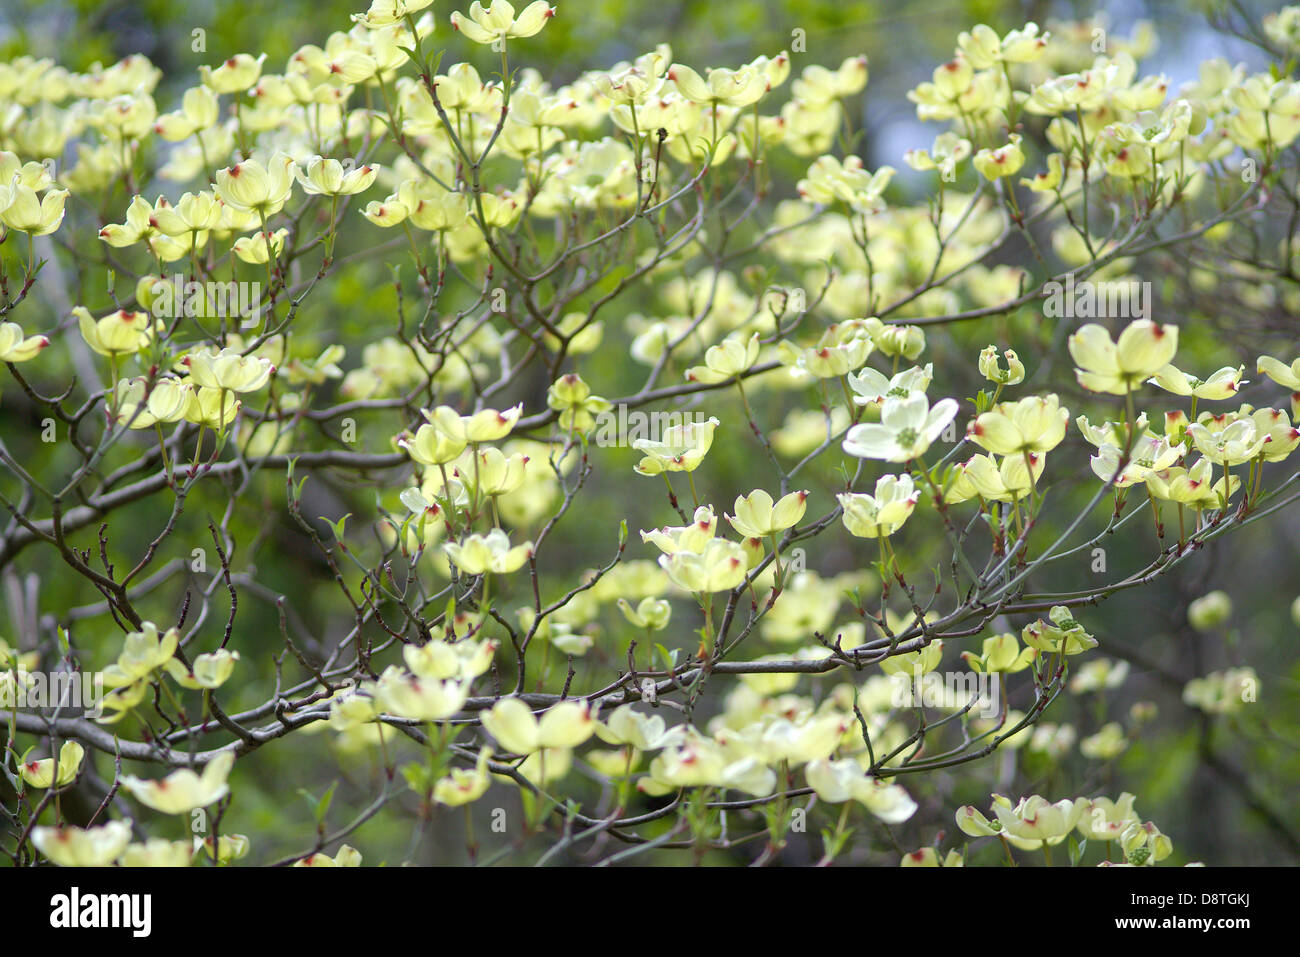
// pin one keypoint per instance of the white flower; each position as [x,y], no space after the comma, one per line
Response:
[182,791]
[872,387]
[906,429]
[75,847]
[837,781]
[882,514]
[498,21]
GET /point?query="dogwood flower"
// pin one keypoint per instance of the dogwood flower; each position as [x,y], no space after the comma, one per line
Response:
[209,670]
[1209,611]
[948,150]
[439,660]
[795,741]
[1222,384]
[121,700]
[757,517]
[992,370]
[1034,424]
[1150,454]
[143,652]
[1036,819]
[984,50]
[27,213]
[158,852]
[141,224]
[929,857]
[906,429]
[1106,744]
[1144,348]
[627,726]
[431,446]
[973,823]
[685,538]
[1117,433]
[881,514]
[253,187]
[1282,437]
[406,694]
[726,360]
[346,856]
[819,85]
[635,82]
[681,448]
[1287,376]
[498,22]
[578,408]
[722,87]
[227,370]
[1060,633]
[119,333]
[1222,692]
[830,181]
[16,346]
[199,111]
[1000,654]
[720,566]
[487,425]
[33,175]
[994,480]
[1192,486]
[826,360]
[1049,179]
[896,340]
[193,212]
[464,786]
[872,388]
[1003,161]
[230,847]
[234,75]
[838,781]
[650,613]
[562,726]
[479,554]
[214,408]
[258,248]
[329,177]
[1238,442]
[83,847]
[1106,820]
[48,772]
[493,472]
[182,791]
[385,13]
[700,762]
[914,663]
[1098,674]
[1144,845]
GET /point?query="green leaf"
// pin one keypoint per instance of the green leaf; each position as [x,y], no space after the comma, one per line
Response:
[417,777]
[338,527]
[323,805]
[1076,849]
